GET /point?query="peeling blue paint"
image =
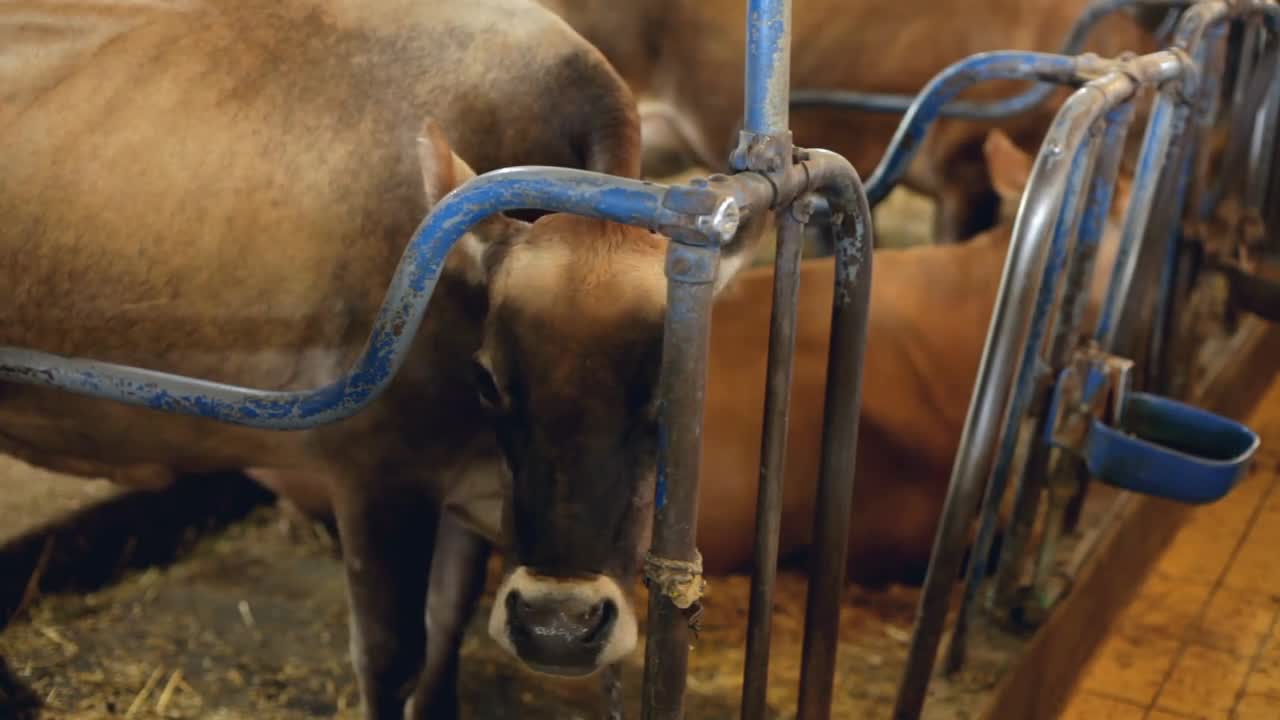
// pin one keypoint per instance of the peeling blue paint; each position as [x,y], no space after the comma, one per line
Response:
[768,66]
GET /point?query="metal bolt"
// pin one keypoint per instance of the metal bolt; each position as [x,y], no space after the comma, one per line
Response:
[721,224]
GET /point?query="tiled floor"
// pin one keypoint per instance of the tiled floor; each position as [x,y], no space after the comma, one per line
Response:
[1202,637]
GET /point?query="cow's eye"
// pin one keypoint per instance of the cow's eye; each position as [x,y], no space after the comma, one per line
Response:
[486,386]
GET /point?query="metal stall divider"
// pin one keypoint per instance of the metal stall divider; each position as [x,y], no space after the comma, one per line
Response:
[1080,151]
[990,110]
[701,218]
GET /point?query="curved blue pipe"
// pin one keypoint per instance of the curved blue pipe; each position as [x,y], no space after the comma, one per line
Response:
[546,188]
[960,76]
[992,110]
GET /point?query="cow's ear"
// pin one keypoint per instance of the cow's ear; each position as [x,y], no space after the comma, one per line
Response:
[1009,168]
[442,170]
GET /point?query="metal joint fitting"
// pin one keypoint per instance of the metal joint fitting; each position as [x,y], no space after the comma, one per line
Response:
[806,206]
[702,215]
[1091,66]
[1187,76]
[762,153]
[1093,386]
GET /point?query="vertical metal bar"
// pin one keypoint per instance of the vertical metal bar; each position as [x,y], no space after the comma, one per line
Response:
[1006,338]
[1075,299]
[1167,122]
[1166,226]
[1066,474]
[850,309]
[1028,370]
[691,270]
[1166,117]
[1266,129]
[1066,480]
[773,444]
[1239,123]
[768,74]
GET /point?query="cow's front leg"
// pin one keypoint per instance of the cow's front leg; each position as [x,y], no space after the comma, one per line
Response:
[457,580]
[387,541]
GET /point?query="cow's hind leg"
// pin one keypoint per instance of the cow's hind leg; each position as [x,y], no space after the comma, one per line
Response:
[387,540]
[457,580]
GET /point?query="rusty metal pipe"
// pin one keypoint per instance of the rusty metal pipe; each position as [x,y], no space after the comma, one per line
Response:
[691,270]
[853,239]
[773,443]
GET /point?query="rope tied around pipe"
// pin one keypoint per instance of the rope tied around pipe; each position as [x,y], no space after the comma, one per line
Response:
[680,581]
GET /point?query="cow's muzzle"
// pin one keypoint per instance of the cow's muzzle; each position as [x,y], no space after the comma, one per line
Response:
[563,626]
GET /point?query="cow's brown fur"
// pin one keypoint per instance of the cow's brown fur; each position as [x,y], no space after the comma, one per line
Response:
[687,57]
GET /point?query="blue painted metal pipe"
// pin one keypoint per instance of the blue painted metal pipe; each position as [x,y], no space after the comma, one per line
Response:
[1007,339]
[1162,126]
[1071,312]
[768,74]
[1082,217]
[1166,228]
[991,110]
[1005,65]
[547,188]
[1028,371]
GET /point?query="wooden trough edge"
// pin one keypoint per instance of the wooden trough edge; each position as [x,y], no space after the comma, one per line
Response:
[1038,684]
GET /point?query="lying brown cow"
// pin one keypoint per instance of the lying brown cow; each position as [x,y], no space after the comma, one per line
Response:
[930,310]
[222,189]
[684,61]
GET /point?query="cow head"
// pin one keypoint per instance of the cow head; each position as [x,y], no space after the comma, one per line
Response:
[568,372]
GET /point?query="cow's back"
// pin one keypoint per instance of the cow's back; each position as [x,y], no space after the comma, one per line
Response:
[223,189]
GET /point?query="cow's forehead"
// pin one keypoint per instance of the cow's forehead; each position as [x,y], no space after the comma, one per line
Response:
[572,270]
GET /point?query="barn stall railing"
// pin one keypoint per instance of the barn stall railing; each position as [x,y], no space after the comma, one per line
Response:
[801,187]
[701,218]
[995,109]
[1088,422]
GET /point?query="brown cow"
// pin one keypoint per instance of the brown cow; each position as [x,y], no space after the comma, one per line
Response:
[684,62]
[930,310]
[222,189]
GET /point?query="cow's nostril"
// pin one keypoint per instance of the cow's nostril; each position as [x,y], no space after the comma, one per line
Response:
[599,619]
[518,610]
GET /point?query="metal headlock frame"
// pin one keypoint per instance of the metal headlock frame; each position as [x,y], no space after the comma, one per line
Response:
[801,187]
[1058,229]
[701,218]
